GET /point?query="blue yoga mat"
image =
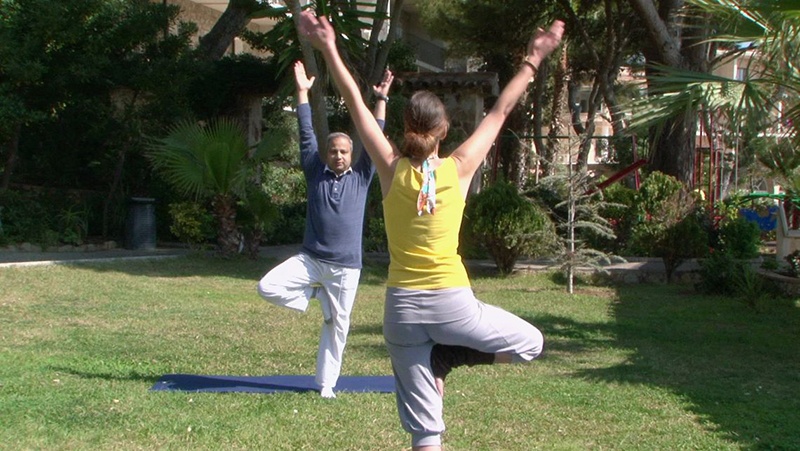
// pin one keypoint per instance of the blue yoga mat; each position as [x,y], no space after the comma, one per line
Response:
[269,384]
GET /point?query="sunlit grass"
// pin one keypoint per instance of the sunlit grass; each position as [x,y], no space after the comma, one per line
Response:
[637,367]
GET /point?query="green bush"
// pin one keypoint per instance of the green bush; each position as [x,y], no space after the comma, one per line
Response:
[723,274]
[794,263]
[27,218]
[74,224]
[620,217]
[740,237]
[256,216]
[657,206]
[375,235]
[669,223]
[47,218]
[469,245]
[717,273]
[508,225]
[289,226]
[656,190]
[192,223]
[661,205]
[374,227]
[683,240]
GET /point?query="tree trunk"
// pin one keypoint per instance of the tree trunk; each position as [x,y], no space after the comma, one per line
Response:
[118,172]
[513,154]
[557,124]
[233,20]
[539,146]
[228,238]
[378,52]
[677,42]
[252,243]
[319,110]
[673,148]
[607,67]
[586,131]
[12,150]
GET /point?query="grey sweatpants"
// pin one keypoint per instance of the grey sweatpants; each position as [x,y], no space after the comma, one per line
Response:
[415,320]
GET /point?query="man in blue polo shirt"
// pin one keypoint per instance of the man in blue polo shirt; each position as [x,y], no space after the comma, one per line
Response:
[328,265]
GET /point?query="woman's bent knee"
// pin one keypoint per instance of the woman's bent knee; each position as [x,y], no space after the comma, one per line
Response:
[534,347]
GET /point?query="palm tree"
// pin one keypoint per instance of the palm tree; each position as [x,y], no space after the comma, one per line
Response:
[770,32]
[209,161]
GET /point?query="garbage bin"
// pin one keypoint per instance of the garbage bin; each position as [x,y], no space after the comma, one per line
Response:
[140,226]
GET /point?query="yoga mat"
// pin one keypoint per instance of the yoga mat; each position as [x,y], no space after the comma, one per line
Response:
[269,384]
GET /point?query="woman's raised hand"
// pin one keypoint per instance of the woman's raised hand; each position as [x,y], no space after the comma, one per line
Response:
[544,42]
[317,30]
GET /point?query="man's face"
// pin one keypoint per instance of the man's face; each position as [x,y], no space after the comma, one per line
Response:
[339,155]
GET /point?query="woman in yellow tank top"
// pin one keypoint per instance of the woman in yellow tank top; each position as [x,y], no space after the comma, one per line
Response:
[432,321]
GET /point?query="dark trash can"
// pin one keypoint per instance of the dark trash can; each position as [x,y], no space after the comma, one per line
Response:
[140,226]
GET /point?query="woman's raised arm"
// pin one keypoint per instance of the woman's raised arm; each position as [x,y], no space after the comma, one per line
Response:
[471,153]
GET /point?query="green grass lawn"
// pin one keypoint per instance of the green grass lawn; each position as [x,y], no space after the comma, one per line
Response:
[649,367]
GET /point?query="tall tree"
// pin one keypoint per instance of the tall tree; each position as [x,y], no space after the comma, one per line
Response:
[213,162]
[81,65]
[676,40]
[605,33]
[367,57]
[766,100]
[495,34]
[229,25]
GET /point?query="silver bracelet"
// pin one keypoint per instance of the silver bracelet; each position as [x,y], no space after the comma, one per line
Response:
[382,97]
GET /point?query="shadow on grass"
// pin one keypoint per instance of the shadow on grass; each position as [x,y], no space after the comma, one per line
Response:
[367,329]
[192,265]
[202,265]
[569,336]
[737,368]
[129,376]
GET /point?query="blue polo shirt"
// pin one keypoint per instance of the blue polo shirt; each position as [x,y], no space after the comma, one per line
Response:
[335,211]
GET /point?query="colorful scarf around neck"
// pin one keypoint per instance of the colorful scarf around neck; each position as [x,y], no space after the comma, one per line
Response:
[426,201]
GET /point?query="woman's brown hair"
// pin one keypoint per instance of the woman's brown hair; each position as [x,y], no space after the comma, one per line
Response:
[426,124]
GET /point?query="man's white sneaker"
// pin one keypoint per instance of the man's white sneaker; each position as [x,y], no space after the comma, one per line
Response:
[327,392]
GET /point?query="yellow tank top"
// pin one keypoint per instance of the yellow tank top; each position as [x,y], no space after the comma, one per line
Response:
[423,250]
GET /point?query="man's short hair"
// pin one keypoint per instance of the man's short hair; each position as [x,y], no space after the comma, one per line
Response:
[337,135]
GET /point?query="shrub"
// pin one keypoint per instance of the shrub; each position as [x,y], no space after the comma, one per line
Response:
[508,225]
[620,216]
[290,224]
[685,239]
[770,264]
[192,223]
[722,274]
[794,263]
[375,235]
[27,217]
[740,237]
[374,227]
[660,203]
[669,223]
[656,190]
[256,216]
[74,224]
[717,273]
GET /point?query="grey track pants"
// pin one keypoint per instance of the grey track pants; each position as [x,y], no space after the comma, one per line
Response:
[415,320]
